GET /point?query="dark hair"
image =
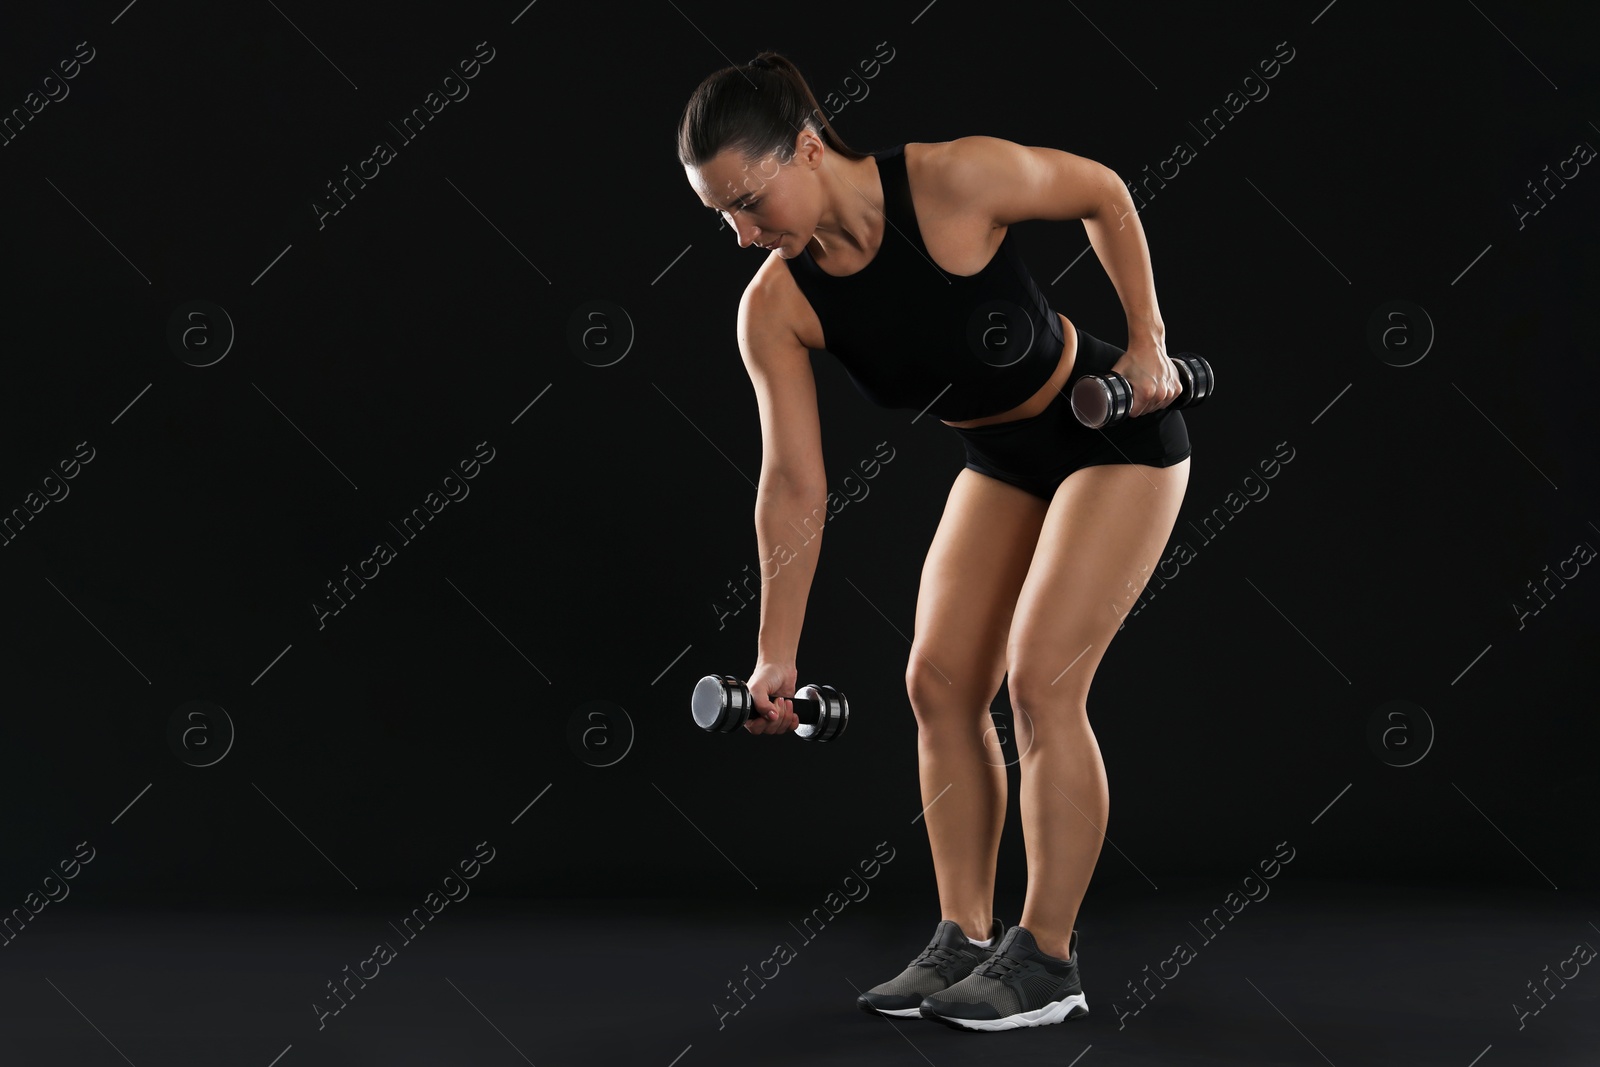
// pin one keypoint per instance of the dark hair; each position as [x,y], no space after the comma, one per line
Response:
[756,109]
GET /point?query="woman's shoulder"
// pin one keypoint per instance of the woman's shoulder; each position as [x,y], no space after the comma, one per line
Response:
[956,171]
[773,295]
[971,148]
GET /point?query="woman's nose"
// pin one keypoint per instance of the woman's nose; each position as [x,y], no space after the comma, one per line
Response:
[745,232]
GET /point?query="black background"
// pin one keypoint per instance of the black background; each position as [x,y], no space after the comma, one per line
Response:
[380,348]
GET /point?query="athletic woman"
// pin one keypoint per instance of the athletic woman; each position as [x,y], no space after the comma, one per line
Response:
[899,263]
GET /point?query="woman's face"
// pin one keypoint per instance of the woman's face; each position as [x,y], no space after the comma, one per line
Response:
[764,202]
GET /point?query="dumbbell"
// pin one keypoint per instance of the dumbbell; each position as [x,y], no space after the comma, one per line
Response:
[1101,400]
[722,704]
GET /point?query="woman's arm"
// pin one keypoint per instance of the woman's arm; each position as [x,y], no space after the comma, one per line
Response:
[1016,182]
[789,523]
[791,500]
[1118,239]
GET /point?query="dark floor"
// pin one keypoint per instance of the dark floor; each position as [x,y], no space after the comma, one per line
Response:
[1312,974]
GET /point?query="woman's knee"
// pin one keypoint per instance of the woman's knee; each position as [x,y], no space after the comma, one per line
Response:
[1047,690]
[943,694]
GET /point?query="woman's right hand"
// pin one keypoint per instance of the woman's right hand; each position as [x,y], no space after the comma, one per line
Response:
[770,686]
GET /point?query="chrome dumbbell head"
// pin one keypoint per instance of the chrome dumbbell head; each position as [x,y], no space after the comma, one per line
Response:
[722,703]
[1102,400]
[832,716]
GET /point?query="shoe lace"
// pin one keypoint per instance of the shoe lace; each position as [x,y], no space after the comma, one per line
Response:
[935,956]
[998,966]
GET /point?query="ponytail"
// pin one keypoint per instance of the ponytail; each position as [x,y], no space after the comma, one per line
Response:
[757,110]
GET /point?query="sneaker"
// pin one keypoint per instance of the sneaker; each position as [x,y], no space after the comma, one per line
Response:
[1017,986]
[949,957]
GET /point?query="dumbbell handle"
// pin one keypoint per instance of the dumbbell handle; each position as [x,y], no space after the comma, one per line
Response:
[806,709]
[723,703]
[1100,400]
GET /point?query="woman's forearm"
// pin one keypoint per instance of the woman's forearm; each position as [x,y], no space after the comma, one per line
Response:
[789,523]
[1118,239]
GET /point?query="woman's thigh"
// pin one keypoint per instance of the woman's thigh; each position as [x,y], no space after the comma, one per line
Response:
[1103,535]
[974,569]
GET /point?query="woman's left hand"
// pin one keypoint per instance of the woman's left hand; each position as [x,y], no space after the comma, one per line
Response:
[1150,374]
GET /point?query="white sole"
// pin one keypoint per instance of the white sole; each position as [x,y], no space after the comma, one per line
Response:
[900,1013]
[1054,1012]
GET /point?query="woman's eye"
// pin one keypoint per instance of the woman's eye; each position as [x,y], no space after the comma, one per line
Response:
[731,212]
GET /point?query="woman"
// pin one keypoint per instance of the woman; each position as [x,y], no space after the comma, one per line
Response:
[899,263]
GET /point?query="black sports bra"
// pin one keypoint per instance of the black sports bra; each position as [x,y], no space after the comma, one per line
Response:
[913,336]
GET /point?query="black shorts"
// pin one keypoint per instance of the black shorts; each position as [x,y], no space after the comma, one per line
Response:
[1037,453]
